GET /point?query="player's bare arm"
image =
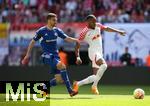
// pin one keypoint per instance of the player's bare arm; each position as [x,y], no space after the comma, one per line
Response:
[109,29]
[70,39]
[77,50]
[77,53]
[24,61]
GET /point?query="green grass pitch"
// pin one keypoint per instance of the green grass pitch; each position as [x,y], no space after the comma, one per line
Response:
[109,96]
[22,103]
[32,102]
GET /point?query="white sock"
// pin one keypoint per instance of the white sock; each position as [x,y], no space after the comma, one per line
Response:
[99,74]
[87,80]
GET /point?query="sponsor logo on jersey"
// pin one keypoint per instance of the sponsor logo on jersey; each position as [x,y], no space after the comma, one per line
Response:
[51,40]
[95,37]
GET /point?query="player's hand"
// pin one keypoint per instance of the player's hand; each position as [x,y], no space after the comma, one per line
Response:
[78,61]
[122,33]
[25,60]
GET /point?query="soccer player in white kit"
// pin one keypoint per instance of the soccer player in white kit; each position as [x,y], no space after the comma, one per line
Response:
[91,34]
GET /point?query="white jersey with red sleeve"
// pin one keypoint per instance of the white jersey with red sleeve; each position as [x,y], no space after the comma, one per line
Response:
[94,39]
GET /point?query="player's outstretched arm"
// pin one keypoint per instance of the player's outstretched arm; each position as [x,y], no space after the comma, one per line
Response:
[70,39]
[26,58]
[109,29]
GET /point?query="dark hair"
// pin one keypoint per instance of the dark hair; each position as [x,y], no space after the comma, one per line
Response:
[50,15]
[91,16]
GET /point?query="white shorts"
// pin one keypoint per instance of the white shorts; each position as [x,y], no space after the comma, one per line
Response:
[95,55]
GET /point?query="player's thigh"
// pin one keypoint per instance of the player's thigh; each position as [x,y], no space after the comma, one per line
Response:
[57,63]
[91,55]
[60,66]
[52,61]
[94,55]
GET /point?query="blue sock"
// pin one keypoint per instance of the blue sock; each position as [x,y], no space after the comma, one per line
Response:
[64,76]
[53,82]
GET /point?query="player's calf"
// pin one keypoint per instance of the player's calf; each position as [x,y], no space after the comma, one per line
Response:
[64,76]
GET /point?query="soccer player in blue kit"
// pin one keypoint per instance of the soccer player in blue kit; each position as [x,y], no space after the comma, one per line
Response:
[48,39]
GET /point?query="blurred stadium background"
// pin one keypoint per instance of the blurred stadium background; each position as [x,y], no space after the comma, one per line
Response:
[19,19]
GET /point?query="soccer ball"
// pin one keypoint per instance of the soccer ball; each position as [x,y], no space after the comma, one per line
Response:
[138,93]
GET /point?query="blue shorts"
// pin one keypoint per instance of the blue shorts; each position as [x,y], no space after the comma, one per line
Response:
[52,60]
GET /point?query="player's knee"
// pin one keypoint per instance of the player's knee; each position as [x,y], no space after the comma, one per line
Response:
[61,66]
[59,79]
[99,62]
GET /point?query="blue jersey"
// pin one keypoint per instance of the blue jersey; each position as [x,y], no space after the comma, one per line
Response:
[48,38]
